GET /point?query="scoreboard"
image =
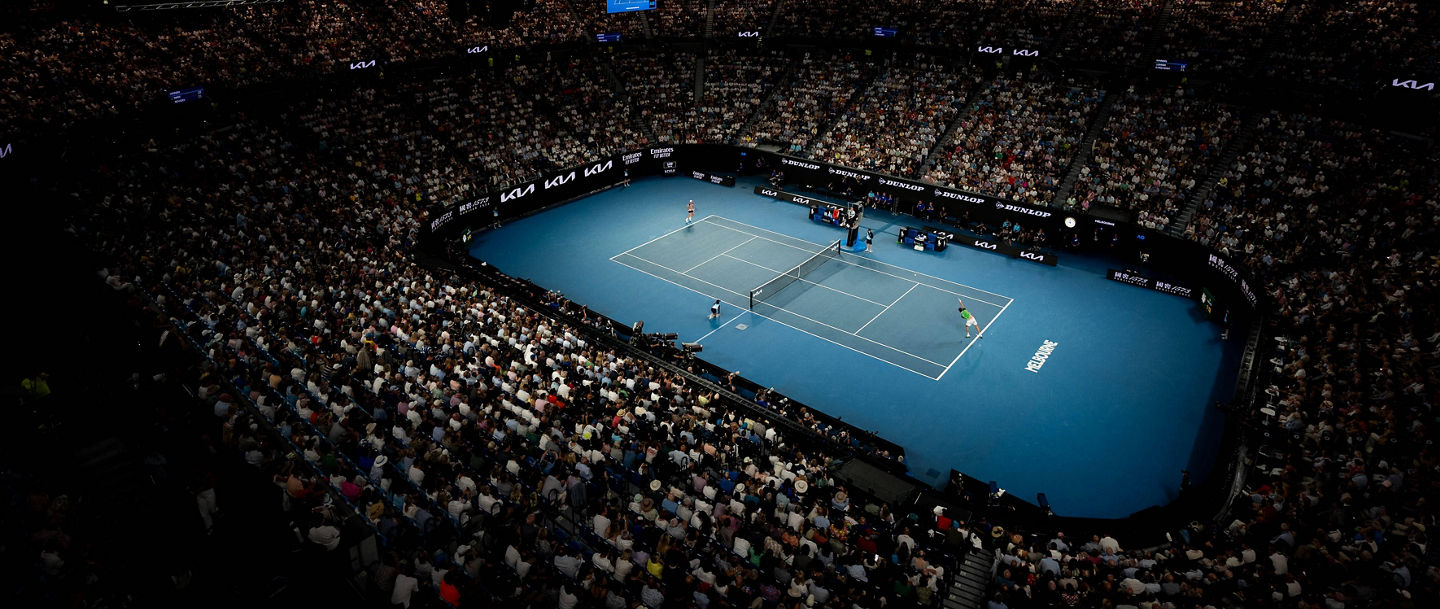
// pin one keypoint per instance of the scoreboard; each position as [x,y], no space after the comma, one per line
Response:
[625,6]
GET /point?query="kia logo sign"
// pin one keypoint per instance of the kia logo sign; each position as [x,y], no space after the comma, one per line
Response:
[1411,84]
[361,65]
[558,180]
[1025,53]
[479,49]
[517,193]
[7,150]
[749,34]
[985,245]
[985,49]
[597,168]
[769,193]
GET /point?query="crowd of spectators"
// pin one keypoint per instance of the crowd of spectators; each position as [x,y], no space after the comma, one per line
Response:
[829,19]
[465,427]
[894,124]
[495,128]
[1112,31]
[679,18]
[577,90]
[501,125]
[1031,24]
[733,16]
[662,87]
[1338,221]
[735,84]
[1034,25]
[390,145]
[1293,168]
[1155,146]
[1354,45]
[507,456]
[1018,137]
[79,66]
[1214,36]
[818,88]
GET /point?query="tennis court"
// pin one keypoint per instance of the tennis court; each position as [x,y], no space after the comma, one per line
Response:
[875,338]
[902,317]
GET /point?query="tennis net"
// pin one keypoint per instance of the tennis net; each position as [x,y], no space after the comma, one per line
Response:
[772,287]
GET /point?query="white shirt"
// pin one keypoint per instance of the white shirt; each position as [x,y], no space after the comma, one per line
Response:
[326,535]
[405,587]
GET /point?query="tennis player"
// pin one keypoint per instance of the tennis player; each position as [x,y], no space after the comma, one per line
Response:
[715,310]
[969,320]
[690,211]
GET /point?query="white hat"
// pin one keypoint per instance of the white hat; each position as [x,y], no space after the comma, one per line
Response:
[655,485]
[381,460]
[801,485]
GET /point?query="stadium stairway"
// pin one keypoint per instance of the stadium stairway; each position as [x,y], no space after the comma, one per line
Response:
[851,98]
[447,136]
[645,25]
[1157,27]
[1207,187]
[774,17]
[949,134]
[970,582]
[710,19]
[699,80]
[1072,23]
[1086,146]
[765,103]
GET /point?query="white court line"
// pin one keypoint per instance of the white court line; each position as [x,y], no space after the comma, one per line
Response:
[707,334]
[977,339]
[715,256]
[809,319]
[668,234]
[887,308]
[893,266]
[860,265]
[818,285]
[870,355]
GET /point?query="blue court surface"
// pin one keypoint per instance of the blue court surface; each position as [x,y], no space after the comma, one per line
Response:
[1123,402]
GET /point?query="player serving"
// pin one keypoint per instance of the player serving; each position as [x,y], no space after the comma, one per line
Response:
[690,211]
[969,320]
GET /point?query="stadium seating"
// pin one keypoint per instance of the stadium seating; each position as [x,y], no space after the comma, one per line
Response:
[533,463]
